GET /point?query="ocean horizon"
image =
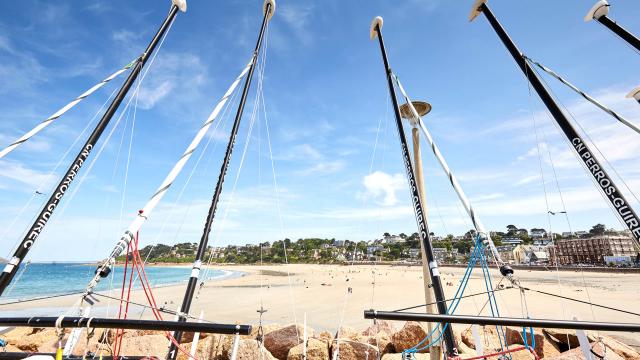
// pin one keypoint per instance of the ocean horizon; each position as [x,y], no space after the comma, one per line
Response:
[43,279]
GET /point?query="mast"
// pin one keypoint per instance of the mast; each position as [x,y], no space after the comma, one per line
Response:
[634,94]
[268,10]
[599,12]
[605,183]
[505,269]
[423,229]
[45,214]
[406,111]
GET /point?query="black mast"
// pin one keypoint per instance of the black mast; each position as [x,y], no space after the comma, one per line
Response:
[36,228]
[269,8]
[600,11]
[605,183]
[449,342]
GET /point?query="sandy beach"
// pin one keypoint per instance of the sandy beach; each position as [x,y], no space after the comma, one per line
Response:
[288,292]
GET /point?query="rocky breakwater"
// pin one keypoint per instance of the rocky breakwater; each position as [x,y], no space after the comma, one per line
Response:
[383,340]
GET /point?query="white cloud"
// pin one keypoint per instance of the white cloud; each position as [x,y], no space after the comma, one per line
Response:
[382,187]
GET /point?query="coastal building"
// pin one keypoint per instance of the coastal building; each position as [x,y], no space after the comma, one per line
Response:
[538,233]
[543,242]
[594,249]
[513,241]
[506,253]
[531,255]
[440,254]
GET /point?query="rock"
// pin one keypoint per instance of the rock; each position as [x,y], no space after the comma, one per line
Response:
[409,336]
[316,350]
[576,354]
[564,339]
[215,347]
[151,345]
[353,350]
[325,336]
[250,350]
[543,347]
[265,330]
[44,340]
[347,332]
[280,341]
[379,326]
[625,351]
[382,341]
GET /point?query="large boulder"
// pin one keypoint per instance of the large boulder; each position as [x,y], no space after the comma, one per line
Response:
[382,341]
[379,326]
[250,350]
[576,354]
[151,345]
[567,339]
[409,336]
[347,332]
[280,341]
[543,347]
[353,350]
[325,336]
[316,350]
[215,346]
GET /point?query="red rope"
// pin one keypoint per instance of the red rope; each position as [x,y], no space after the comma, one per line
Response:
[146,286]
[495,354]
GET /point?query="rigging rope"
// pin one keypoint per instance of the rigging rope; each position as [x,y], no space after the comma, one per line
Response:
[614,114]
[63,110]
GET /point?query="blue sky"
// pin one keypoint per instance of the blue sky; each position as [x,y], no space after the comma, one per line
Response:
[327,103]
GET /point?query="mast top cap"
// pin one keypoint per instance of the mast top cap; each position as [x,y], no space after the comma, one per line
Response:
[422,108]
[475,10]
[271,11]
[600,9]
[181,4]
[377,21]
[635,93]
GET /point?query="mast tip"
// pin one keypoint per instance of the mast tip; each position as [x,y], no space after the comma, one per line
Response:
[601,8]
[475,10]
[377,21]
[634,94]
[272,10]
[181,4]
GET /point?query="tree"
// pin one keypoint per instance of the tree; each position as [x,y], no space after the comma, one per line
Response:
[386,234]
[598,229]
[403,236]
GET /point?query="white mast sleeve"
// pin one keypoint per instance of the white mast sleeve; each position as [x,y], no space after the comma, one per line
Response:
[60,112]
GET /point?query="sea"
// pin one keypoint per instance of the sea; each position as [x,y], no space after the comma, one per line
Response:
[39,280]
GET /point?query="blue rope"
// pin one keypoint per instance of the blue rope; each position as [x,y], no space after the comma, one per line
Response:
[454,303]
[493,304]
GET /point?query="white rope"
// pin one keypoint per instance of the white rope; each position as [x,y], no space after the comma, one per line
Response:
[614,114]
[63,110]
